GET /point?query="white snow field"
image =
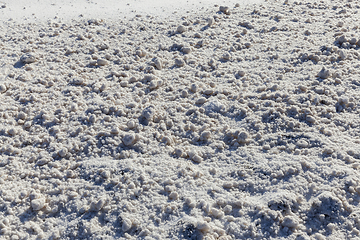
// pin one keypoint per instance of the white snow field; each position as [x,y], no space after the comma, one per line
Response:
[42,10]
[169,120]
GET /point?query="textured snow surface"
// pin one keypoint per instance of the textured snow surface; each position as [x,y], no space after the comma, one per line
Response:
[237,122]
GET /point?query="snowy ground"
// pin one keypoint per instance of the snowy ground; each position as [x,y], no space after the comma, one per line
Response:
[211,123]
[40,11]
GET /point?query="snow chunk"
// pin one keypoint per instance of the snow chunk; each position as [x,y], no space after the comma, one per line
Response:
[2,88]
[196,158]
[283,201]
[158,63]
[210,21]
[38,204]
[173,195]
[155,84]
[241,73]
[179,62]
[225,10]
[328,204]
[194,88]
[342,55]
[98,205]
[226,56]
[205,135]
[213,105]
[148,113]
[203,227]
[324,73]
[126,224]
[290,222]
[28,58]
[181,29]
[242,137]
[186,50]
[302,143]
[63,152]
[102,62]
[129,139]
[201,100]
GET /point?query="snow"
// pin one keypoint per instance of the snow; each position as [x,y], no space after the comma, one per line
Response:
[160,120]
[33,11]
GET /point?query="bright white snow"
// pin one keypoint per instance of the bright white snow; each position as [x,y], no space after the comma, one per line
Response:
[42,10]
[220,121]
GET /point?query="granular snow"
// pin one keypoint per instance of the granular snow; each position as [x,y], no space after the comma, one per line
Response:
[242,126]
